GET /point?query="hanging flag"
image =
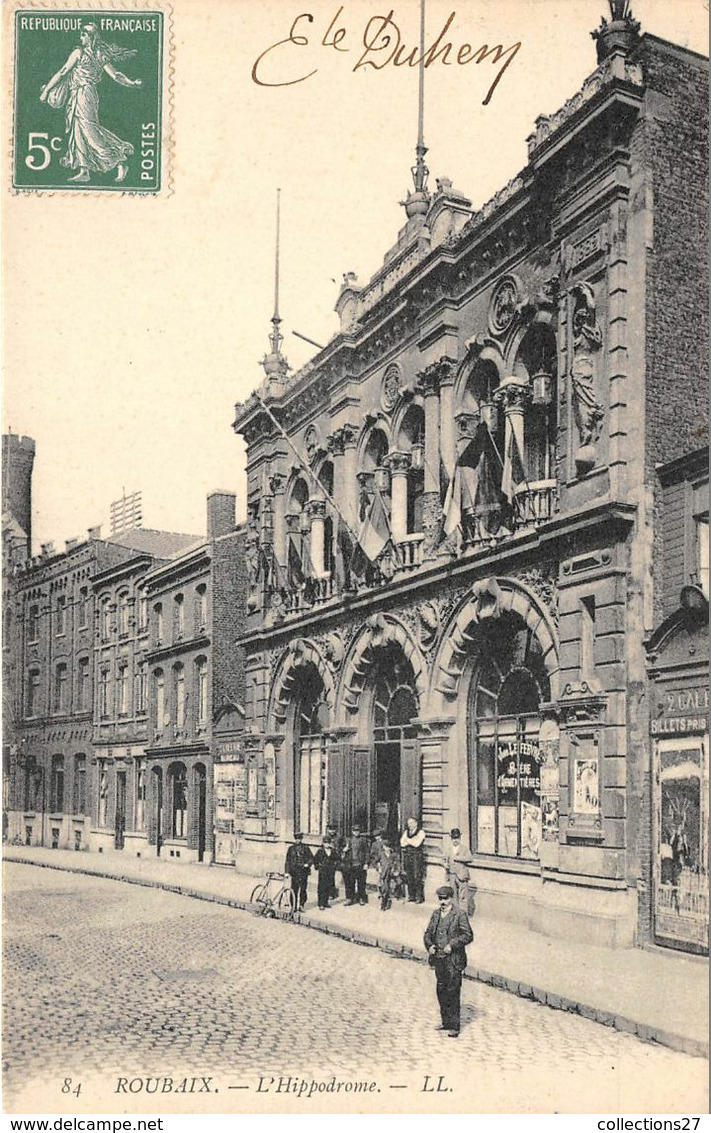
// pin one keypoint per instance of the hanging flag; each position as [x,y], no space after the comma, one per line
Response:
[462,488]
[513,473]
[345,549]
[294,565]
[375,533]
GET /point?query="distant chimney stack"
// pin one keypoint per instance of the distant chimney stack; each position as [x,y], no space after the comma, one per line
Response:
[221,514]
[47,550]
[94,532]
[70,544]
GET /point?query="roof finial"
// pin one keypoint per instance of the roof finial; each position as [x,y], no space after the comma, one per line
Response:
[275,364]
[620,34]
[417,203]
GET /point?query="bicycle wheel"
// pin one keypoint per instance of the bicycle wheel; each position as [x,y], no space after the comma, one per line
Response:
[287,903]
[259,899]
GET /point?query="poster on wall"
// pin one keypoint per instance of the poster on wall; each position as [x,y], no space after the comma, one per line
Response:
[586,792]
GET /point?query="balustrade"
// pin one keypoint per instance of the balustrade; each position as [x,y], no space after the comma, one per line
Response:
[409,551]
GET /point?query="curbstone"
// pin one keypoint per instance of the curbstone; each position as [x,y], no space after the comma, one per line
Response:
[644,1032]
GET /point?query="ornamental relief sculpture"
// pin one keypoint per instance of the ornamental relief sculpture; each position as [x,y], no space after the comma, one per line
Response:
[587,410]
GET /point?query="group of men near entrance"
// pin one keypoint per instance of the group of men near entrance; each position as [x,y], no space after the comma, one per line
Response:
[400,866]
[401,872]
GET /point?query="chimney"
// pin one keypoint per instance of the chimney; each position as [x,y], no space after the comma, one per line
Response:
[221,514]
[70,544]
[94,532]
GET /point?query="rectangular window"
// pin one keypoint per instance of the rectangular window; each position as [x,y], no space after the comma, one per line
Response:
[105,620]
[159,626]
[79,793]
[702,552]
[33,785]
[179,674]
[142,612]
[160,699]
[123,615]
[33,624]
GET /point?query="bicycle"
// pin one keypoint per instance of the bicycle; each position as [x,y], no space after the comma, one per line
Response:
[283,902]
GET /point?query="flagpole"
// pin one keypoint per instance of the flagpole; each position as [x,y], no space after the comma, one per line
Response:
[303,463]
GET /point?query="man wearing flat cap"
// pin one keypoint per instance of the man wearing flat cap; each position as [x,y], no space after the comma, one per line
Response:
[446,938]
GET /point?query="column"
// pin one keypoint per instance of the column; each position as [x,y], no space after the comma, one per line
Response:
[399,464]
[277,483]
[446,417]
[317,513]
[514,393]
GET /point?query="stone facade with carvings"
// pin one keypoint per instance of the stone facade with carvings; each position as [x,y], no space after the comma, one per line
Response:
[482,425]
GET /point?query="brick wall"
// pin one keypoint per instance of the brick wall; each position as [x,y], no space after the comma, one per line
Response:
[675,139]
[228,619]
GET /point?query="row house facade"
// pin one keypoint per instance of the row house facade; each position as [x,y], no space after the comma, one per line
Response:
[195,687]
[452,512]
[52,637]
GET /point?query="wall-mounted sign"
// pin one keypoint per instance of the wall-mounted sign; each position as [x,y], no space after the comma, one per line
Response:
[681,711]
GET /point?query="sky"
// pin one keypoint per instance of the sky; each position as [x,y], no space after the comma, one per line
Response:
[132,325]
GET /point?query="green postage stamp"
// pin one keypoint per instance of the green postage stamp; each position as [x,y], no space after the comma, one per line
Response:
[88,100]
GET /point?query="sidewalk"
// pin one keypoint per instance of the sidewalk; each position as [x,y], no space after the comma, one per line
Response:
[656,995]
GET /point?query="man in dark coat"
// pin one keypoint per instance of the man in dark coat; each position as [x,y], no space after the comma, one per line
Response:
[446,938]
[326,862]
[299,860]
[354,862]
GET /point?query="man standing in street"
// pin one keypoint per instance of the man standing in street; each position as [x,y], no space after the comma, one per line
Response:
[446,938]
[299,860]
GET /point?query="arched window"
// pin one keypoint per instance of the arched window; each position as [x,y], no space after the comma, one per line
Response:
[504,723]
[178,788]
[310,718]
[79,786]
[83,685]
[178,617]
[159,695]
[201,700]
[122,689]
[103,793]
[411,439]
[536,361]
[105,620]
[104,679]
[159,622]
[141,784]
[200,608]
[397,777]
[123,614]
[179,695]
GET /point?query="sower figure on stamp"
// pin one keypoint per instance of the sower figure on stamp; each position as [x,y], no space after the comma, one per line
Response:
[456,863]
[446,937]
[299,860]
[90,146]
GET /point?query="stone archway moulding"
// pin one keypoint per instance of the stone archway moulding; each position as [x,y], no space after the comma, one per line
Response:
[487,600]
[379,630]
[298,654]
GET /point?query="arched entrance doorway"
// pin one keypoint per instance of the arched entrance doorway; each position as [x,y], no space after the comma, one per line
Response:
[310,718]
[396,765]
[508,686]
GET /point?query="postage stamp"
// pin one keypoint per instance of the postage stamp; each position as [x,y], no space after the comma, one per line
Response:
[88,91]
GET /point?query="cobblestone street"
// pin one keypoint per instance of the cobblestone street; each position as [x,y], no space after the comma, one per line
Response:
[106,981]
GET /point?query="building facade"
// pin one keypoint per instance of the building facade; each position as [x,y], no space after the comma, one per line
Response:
[453,512]
[678,655]
[195,680]
[56,631]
